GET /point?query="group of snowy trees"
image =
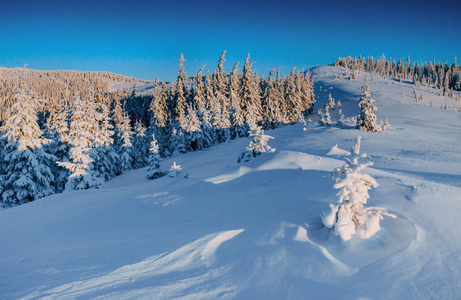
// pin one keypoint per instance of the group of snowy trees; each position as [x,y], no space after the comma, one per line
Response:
[446,77]
[84,142]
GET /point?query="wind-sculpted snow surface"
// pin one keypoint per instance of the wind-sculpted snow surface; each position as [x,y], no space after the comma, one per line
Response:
[191,256]
[253,230]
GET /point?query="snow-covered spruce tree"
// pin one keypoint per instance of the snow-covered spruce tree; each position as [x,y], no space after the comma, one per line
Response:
[202,111]
[341,121]
[250,94]
[349,216]
[58,130]
[83,174]
[154,171]
[258,144]
[175,170]
[124,148]
[192,133]
[180,95]
[237,116]
[159,118]
[270,103]
[208,116]
[294,103]
[325,118]
[104,155]
[140,145]
[366,118]
[27,174]
[331,102]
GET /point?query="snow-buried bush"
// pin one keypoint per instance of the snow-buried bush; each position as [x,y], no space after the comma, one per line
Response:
[349,216]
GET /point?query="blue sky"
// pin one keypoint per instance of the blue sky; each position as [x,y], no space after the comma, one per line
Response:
[144,39]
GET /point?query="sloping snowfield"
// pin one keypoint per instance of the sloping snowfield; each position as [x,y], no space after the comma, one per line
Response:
[253,231]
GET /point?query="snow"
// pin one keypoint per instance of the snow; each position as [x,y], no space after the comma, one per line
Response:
[337,151]
[253,230]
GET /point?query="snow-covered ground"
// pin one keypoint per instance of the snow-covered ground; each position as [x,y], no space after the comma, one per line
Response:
[252,230]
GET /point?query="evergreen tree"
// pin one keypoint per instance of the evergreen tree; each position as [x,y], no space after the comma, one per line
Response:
[202,112]
[175,170]
[181,94]
[250,95]
[124,148]
[325,118]
[258,144]
[140,146]
[366,119]
[159,118]
[331,102]
[237,116]
[59,132]
[294,104]
[193,133]
[83,174]
[154,171]
[340,122]
[27,174]
[350,216]
[270,103]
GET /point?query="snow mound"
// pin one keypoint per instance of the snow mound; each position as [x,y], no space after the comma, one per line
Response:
[395,234]
[285,160]
[337,151]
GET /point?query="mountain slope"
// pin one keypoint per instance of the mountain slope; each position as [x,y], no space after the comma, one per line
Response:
[253,231]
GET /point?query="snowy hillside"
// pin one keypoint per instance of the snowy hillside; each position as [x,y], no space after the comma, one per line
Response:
[253,230]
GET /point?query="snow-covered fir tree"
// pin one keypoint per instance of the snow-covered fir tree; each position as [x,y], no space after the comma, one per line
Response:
[237,116]
[366,118]
[180,95]
[27,175]
[83,174]
[331,102]
[159,117]
[250,94]
[194,138]
[125,146]
[104,155]
[202,111]
[175,170]
[58,130]
[270,103]
[154,171]
[341,121]
[325,117]
[258,144]
[349,216]
[140,145]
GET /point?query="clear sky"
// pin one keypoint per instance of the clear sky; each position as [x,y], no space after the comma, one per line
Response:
[144,39]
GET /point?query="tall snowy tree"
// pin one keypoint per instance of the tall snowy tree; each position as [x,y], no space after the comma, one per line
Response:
[83,174]
[250,94]
[202,111]
[59,132]
[140,145]
[270,103]
[159,117]
[237,116]
[104,155]
[154,171]
[124,148]
[27,174]
[366,118]
[193,133]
